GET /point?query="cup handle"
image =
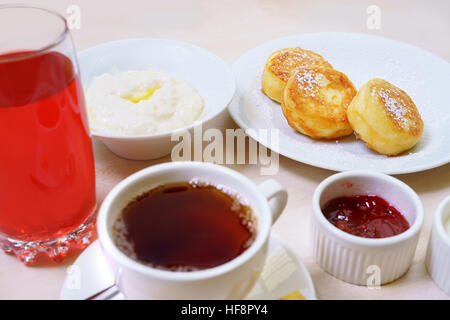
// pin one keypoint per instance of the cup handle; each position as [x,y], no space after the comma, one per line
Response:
[276,196]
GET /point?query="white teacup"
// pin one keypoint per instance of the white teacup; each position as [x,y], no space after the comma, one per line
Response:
[231,280]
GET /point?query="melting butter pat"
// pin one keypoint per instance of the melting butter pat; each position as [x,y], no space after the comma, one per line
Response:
[139,96]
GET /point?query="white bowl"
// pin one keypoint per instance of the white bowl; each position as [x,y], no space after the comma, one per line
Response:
[438,253]
[358,260]
[209,74]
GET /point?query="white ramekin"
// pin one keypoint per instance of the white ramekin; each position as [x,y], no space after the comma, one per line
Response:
[358,260]
[438,253]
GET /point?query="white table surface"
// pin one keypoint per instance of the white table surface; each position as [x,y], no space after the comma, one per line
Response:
[229,28]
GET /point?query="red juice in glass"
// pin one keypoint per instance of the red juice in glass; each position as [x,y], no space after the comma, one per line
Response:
[47,177]
[47,184]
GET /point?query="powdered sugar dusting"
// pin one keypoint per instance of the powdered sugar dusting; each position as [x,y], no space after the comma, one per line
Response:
[286,63]
[296,58]
[307,80]
[394,105]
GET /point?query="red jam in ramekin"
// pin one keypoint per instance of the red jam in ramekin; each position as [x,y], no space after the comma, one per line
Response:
[367,216]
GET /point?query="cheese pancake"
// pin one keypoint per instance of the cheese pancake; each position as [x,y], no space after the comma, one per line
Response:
[385,118]
[315,102]
[282,64]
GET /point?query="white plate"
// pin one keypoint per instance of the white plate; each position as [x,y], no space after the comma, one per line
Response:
[424,76]
[283,273]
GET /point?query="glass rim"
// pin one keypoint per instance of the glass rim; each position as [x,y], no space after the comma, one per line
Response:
[59,39]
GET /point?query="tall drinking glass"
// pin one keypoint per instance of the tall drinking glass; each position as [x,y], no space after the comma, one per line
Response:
[47,178]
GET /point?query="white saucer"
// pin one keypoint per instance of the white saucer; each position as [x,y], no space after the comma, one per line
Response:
[283,273]
[423,75]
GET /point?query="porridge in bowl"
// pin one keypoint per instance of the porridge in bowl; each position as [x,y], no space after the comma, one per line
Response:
[137,103]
